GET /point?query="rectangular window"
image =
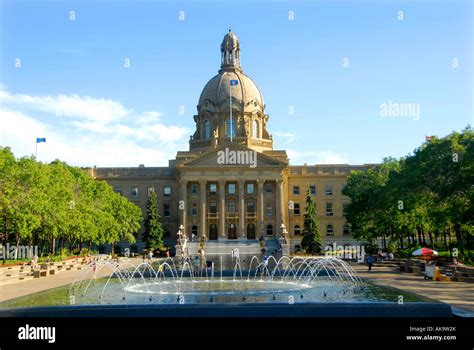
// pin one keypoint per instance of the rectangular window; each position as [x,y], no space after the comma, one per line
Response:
[212,188]
[231,189]
[329,209]
[269,188]
[150,190]
[251,207]
[231,208]
[269,210]
[118,190]
[296,209]
[167,191]
[194,189]
[312,190]
[213,207]
[328,190]
[344,208]
[296,190]
[194,209]
[166,210]
[134,191]
[250,188]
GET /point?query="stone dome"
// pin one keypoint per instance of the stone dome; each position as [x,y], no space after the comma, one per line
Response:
[217,91]
[230,38]
[216,122]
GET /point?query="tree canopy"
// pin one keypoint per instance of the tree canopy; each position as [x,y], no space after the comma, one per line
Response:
[420,198]
[41,203]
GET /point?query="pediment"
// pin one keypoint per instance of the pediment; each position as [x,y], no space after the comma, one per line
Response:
[232,155]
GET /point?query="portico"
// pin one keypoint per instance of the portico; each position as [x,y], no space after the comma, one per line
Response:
[231,202]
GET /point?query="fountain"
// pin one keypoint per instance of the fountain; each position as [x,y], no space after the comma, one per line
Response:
[181,281]
[239,286]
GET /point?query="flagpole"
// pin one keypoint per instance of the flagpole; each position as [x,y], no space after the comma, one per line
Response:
[230,105]
[36,149]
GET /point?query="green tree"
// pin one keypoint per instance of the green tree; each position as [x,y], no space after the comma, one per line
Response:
[311,241]
[49,204]
[153,229]
[420,198]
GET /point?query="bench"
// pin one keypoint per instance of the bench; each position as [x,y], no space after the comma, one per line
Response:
[464,274]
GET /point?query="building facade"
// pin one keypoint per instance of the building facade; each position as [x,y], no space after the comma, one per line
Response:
[232,186]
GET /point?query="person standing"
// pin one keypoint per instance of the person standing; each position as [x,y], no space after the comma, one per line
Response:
[203,259]
[370,261]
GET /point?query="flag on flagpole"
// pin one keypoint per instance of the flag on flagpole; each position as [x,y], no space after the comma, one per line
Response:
[428,138]
[234,82]
[40,139]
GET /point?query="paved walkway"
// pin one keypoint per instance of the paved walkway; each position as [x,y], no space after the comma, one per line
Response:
[22,288]
[457,294]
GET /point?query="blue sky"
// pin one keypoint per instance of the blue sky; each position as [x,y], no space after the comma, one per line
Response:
[72,87]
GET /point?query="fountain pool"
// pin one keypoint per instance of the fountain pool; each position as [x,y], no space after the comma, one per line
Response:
[291,286]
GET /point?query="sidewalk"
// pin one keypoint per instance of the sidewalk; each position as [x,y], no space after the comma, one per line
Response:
[457,294]
[22,288]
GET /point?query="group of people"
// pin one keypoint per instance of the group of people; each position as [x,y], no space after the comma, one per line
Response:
[200,262]
[381,256]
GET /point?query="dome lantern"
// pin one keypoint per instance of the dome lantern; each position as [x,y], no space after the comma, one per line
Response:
[230,52]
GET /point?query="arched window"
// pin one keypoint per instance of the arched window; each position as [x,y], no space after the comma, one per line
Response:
[346,230]
[230,56]
[207,129]
[229,127]
[194,230]
[329,230]
[297,230]
[255,129]
[269,230]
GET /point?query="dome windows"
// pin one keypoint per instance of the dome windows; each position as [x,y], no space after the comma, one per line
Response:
[255,129]
[207,129]
[230,128]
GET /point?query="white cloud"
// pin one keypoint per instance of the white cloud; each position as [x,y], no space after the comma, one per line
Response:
[284,138]
[91,132]
[320,157]
[148,117]
[70,106]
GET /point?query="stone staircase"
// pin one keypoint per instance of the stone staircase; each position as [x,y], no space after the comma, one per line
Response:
[223,247]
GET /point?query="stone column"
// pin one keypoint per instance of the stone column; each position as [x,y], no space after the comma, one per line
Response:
[279,206]
[203,205]
[242,208]
[260,208]
[183,204]
[222,208]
